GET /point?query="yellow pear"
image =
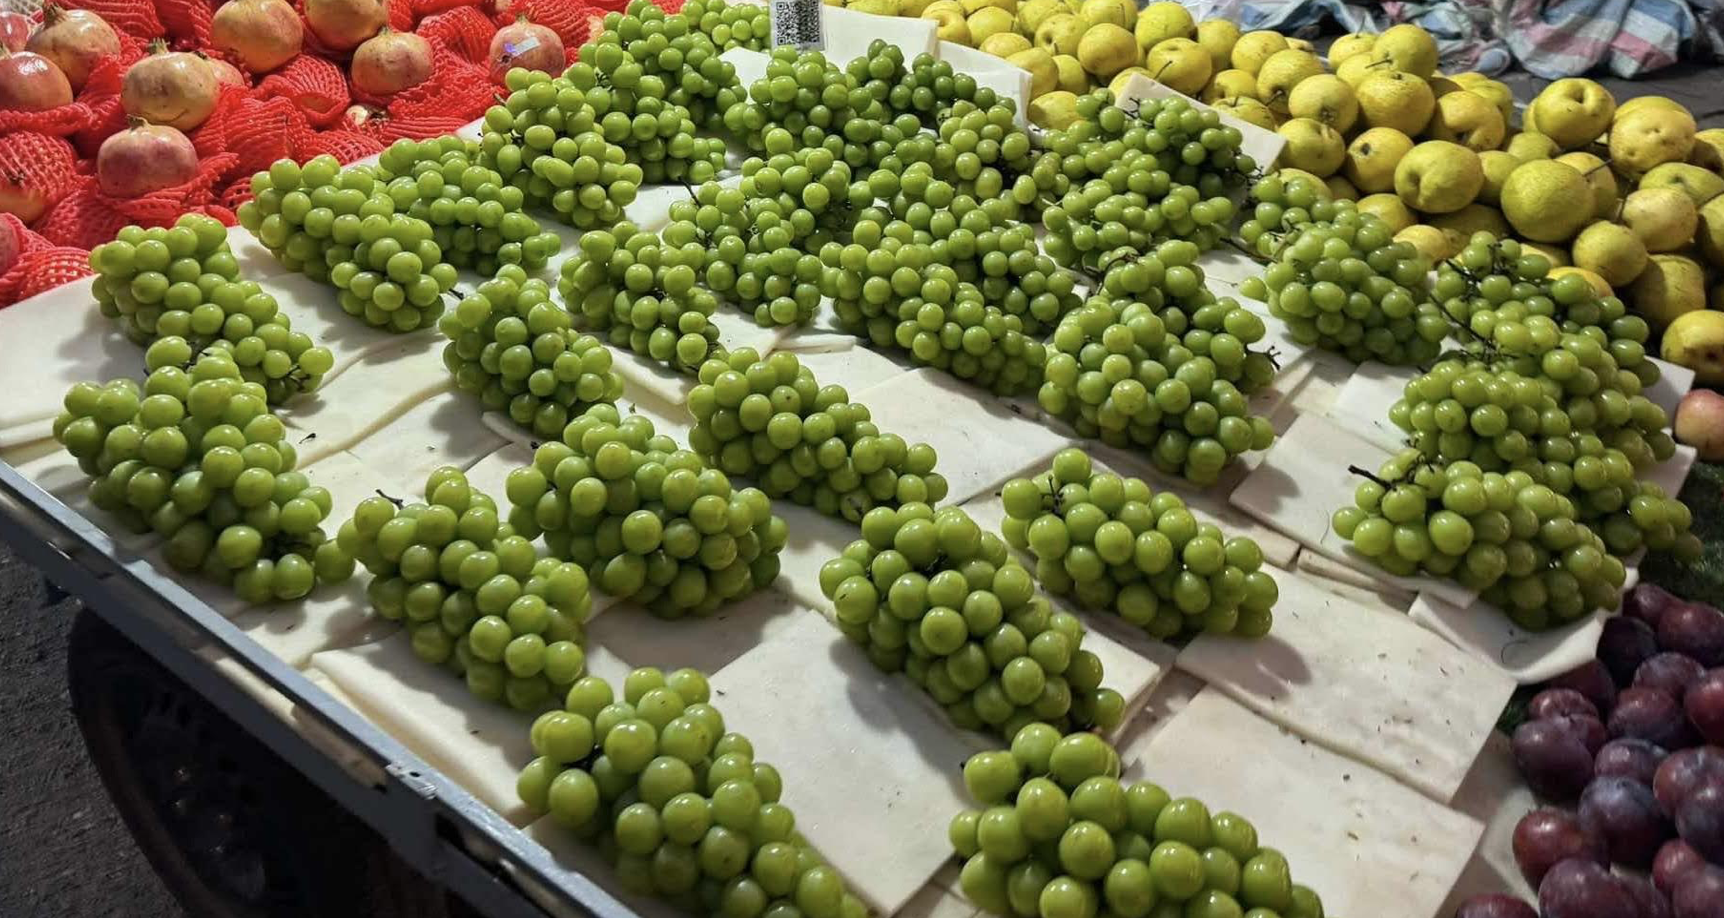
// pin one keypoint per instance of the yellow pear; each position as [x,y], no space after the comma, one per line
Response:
[1073,78]
[1289,174]
[1396,99]
[1664,218]
[1431,242]
[1407,48]
[1650,136]
[1350,44]
[1281,72]
[1459,226]
[1312,146]
[1247,110]
[1160,21]
[1696,341]
[1497,166]
[971,6]
[1670,286]
[1340,189]
[912,8]
[1710,232]
[1557,255]
[1439,177]
[1372,158]
[1253,48]
[1217,36]
[877,7]
[1006,44]
[1708,152]
[989,21]
[1180,64]
[1106,49]
[949,22]
[1230,84]
[1528,146]
[1122,13]
[1044,73]
[1326,98]
[1390,209]
[1600,287]
[1610,250]
[1442,86]
[1355,69]
[1060,34]
[1598,177]
[1117,84]
[1301,44]
[1572,111]
[1699,184]
[1054,111]
[1638,103]
[1541,199]
[1494,92]
[1034,12]
[1469,119]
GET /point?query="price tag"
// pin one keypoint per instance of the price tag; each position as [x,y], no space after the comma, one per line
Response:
[797,23]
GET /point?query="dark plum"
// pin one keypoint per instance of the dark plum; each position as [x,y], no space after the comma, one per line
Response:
[1628,758]
[1704,705]
[1700,894]
[1683,771]
[1674,861]
[1647,603]
[1578,888]
[1592,680]
[1653,715]
[1624,813]
[1695,629]
[1495,905]
[1669,672]
[1557,702]
[1647,898]
[1553,758]
[1591,732]
[1624,645]
[1700,820]
[1546,837]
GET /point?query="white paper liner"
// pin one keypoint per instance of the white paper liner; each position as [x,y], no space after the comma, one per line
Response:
[1362,406]
[51,341]
[1527,657]
[1496,795]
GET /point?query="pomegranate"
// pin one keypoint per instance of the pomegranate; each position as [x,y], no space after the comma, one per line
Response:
[170,87]
[14,30]
[524,43]
[144,158]
[345,24]
[263,34]
[20,200]
[391,61]
[31,83]
[225,73]
[75,40]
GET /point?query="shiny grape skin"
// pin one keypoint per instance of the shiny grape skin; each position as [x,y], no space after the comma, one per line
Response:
[1699,893]
[1648,603]
[1674,862]
[1652,715]
[1624,645]
[1651,902]
[1592,680]
[1629,758]
[1700,820]
[1495,905]
[1696,630]
[1669,672]
[1626,815]
[1546,837]
[1555,702]
[1579,888]
[1553,758]
[1704,705]
[1685,770]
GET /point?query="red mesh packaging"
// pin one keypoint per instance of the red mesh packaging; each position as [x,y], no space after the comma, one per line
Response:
[30,264]
[211,136]
[345,146]
[387,129]
[257,132]
[401,15]
[316,85]
[101,94]
[457,88]
[424,8]
[187,20]
[37,166]
[89,217]
[464,29]
[136,18]
[61,121]
[570,19]
[81,220]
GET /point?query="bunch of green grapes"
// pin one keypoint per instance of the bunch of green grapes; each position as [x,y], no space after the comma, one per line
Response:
[632,100]
[643,292]
[195,455]
[1156,362]
[812,100]
[1346,285]
[770,420]
[960,334]
[1281,204]
[1113,544]
[1188,143]
[980,150]
[474,596]
[1058,834]
[927,88]
[731,25]
[183,284]
[671,48]
[546,140]
[475,217]
[680,807]
[1520,543]
[928,592]
[1133,208]
[343,227]
[650,522]
[516,350]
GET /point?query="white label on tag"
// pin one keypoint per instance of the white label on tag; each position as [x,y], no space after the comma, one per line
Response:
[797,23]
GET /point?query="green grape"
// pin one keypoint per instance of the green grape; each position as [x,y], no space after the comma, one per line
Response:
[731,25]
[476,217]
[640,291]
[555,157]
[804,100]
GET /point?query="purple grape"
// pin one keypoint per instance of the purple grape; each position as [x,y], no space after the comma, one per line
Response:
[1694,629]
[1669,672]
[1647,603]
[1700,894]
[1556,702]
[1652,715]
[1592,680]
[1590,730]
[1578,888]
[1647,898]
[1553,757]
[1628,758]
[1495,905]
[1674,861]
[1624,645]
[1548,836]
[1700,820]
[1683,771]
[1625,814]
[1704,705]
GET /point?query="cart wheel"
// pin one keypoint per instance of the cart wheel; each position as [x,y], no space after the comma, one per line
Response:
[233,831]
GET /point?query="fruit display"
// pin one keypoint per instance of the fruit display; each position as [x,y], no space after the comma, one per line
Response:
[811,98]
[641,292]
[677,803]
[731,25]
[476,217]
[1112,543]
[648,519]
[560,160]
[930,593]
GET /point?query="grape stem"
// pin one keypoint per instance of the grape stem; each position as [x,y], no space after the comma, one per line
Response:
[1366,473]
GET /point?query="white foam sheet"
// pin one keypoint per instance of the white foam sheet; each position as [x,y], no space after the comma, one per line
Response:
[55,472]
[1228,265]
[815,707]
[1673,382]
[47,343]
[1367,844]
[707,644]
[814,540]
[978,440]
[490,473]
[859,367]
[479,744]
[1269,400]
[1169,696]
[255,261]
[1277,340]
[331,618]
[1671,473]
[1363,681]
[1132,665]
[938,901]
[1304,479]
[849,33]
[1362,406]
[750,65]
[1209,504]
[445,429]
[1348,583]
[1527,657]
[1496,795]
[313,309]
[1008,81]
[1329,372]
[374,391]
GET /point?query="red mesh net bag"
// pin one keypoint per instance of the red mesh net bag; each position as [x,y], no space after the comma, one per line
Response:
[89,217]
[457,89]
[36,170]
[424,8]
[572,20]
[387,129]
[136,18]
[187,20]
[345,146]
[316,85]
[61,121]
[256,132]
[30,264]
[401,16]
[81,220]
[101,94]
[464,29]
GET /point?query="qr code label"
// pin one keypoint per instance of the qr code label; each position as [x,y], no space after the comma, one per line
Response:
[797,23]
